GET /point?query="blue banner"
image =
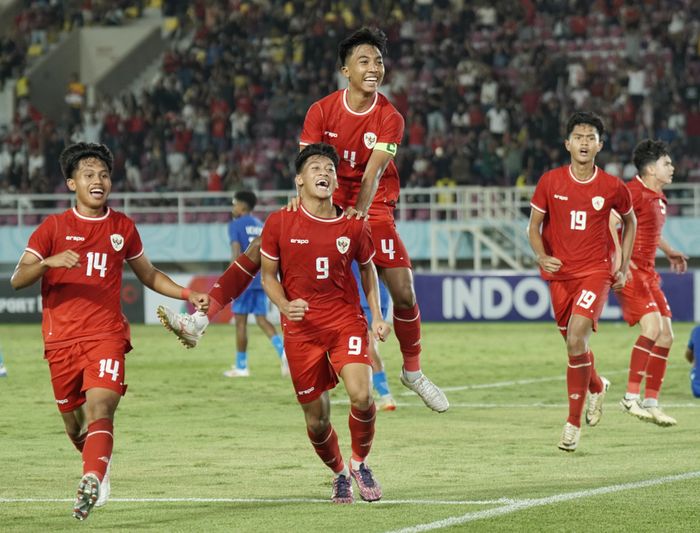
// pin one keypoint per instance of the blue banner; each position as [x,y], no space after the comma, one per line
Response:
[509,297]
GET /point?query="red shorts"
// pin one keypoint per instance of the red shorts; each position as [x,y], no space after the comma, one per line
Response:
[315,363]
[581,296]
[642,295]
[83,366]
[390,250]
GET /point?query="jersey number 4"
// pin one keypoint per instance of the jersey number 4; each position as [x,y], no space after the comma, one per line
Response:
[388,248]
[350,157]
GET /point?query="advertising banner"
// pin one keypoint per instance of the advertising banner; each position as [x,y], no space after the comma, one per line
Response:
[25,305]
[519,297]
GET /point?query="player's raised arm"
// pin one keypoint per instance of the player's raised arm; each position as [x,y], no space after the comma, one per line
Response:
[157,281]
[30,268]
[547,262]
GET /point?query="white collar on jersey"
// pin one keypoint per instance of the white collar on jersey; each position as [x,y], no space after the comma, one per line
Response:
[589,180]
[318,219]
[91,219]
[347,107]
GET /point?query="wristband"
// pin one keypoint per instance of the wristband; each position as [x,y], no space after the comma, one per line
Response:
[185,293]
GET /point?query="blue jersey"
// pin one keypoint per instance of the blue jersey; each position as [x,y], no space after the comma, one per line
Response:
[694,345]
[383,295]
[243,230]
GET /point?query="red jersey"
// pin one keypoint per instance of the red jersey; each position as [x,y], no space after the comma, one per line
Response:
[354,136]
[576,222]
[83,303]
[315,263]
[650,209]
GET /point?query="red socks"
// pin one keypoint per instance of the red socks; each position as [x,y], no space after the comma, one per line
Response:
[655,371]
[231,283]
[97,450]
[578,377]
[326,446]
[596,384]
[407,328]
[361,431]
[638,363]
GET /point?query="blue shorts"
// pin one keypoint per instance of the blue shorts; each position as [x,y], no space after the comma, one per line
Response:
[252,301]
[695,382]
[383,295]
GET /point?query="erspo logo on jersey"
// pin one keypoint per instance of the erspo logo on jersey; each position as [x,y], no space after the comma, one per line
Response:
[299,241]
[74,238]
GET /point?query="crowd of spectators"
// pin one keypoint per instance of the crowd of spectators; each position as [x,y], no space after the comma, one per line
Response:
[484,86]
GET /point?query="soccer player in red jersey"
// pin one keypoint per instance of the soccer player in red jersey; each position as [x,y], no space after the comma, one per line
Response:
[307,273]
[366,130]
[642,300]
[574,250]
[79,256]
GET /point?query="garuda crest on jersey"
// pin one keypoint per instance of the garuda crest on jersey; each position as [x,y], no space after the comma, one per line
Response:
[342,243]
[117,241]
[598,202]
[370,139]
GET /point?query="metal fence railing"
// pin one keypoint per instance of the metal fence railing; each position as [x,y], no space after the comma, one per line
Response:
[457,204]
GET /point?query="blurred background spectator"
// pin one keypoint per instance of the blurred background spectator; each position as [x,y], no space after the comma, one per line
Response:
[484,86]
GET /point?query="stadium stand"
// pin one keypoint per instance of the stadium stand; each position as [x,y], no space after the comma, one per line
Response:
[483,87]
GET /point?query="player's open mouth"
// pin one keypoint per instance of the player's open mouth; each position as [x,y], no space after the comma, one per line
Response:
[323,185]
[584,151]
[97,193]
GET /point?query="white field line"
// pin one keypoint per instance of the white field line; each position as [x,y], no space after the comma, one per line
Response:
[512,383]
[499,501]
[534,405]
[465,405]
[521,505]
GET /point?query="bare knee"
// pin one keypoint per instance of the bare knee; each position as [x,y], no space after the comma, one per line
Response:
[361,400]
[317,424]
[576,344]
[403,295]
[652,332]
[74,423]
[665,338]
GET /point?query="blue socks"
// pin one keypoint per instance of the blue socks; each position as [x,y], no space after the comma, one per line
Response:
[380,383]
[278,344]
[241,360]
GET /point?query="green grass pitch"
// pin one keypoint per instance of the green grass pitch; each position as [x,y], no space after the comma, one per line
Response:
[183,431]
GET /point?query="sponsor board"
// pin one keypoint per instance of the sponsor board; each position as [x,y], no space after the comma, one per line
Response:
[511,297]
[24,306]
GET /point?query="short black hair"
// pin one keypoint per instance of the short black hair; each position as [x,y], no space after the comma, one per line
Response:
[323,149]
[585,117]
[648,152]
[72,155]
[372,36]
[247,197]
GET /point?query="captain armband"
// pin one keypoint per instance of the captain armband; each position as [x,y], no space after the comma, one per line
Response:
[389,148]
